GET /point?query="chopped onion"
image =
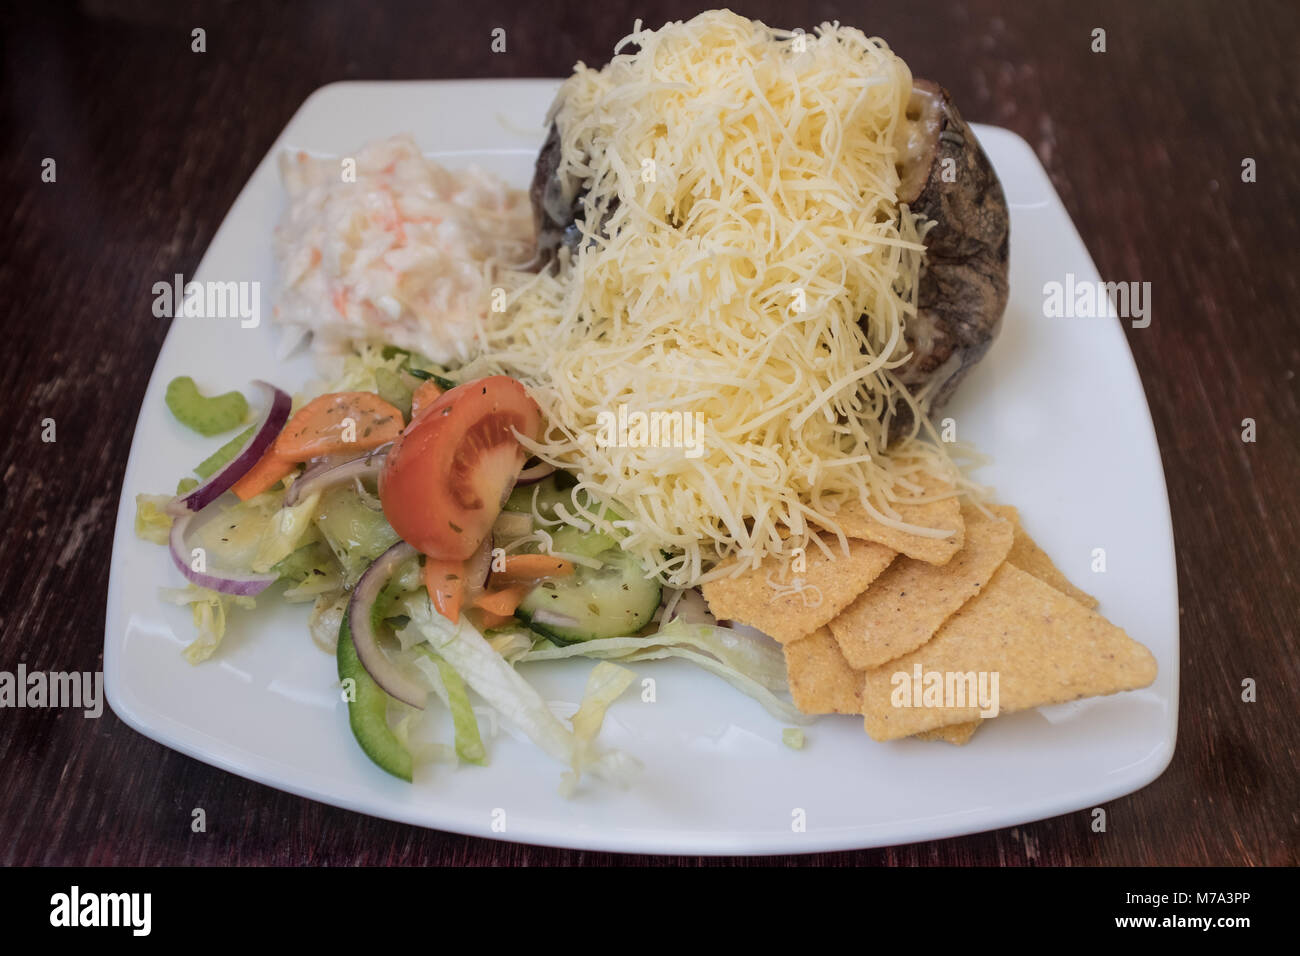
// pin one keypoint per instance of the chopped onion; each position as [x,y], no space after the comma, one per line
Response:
[554,619]
[266,430]
[377,665]
[477,571]
[510,526]
[535,473]
[226,582]
[329,472]
[690,608]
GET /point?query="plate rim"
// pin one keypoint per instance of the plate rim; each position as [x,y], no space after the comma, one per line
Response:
[154,724]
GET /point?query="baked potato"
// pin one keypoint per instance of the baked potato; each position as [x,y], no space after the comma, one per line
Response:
[963,285]
[945,176]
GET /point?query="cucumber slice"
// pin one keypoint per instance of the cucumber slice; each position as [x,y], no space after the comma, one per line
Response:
[368,712]
[550,491]
[232,537]
[588,544]
[356,534]
[614,600]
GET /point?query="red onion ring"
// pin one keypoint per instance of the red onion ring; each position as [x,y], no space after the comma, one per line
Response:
[226,582]
[268,427]
[372,657]
[536,473]
[327,473]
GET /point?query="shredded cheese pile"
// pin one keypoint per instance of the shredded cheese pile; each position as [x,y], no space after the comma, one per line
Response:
[739,218]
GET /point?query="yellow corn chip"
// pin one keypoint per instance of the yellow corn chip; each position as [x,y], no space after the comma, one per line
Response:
[956,734]
[1024,639]
[1028,556]
[857,522]
[821,680]
[788,606]
[909,602]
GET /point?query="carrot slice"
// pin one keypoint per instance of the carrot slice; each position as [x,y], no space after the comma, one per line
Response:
[337,424]
[446,583]
[269,469]
[423,397]
[502,602]
[530,567]
[333,424]
[488,620]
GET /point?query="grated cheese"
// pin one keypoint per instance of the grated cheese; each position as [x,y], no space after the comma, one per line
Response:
[740,216]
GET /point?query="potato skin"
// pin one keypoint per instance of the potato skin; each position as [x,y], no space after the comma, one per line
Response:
[963,287]
[553,212]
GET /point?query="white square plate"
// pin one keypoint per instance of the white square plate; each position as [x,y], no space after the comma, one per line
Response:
[1057,404]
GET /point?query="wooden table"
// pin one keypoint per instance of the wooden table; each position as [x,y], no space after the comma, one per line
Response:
[1145,143]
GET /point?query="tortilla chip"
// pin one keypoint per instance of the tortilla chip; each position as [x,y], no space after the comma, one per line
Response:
[790,606]
[956,734]
[1043,648]
[907,604]
[1028,556]
[857,522]
[821,680]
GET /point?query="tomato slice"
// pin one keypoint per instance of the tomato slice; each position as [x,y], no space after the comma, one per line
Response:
[446,477]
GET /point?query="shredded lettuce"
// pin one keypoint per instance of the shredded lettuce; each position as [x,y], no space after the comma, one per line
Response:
[355,372]
[209,609]
[285,532]
[776,706]
[511,643]
[325,618]
[753,666]
[394,390]
[519,704]
[311,570]
[421,751]
[450,688]
[605,685]
[406,579]
[151,522]
[758,658]
[314,586]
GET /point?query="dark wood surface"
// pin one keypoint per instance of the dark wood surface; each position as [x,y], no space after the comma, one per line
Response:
[1144,143]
